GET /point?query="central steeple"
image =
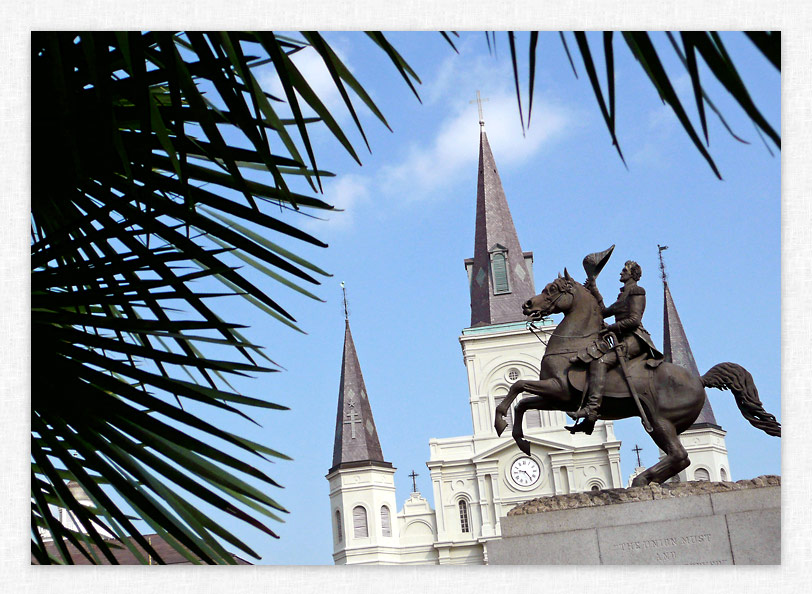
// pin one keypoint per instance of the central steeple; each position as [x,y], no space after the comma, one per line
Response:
[500,274]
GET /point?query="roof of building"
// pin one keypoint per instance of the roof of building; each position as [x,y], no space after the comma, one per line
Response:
[495,232]
[677,350]
[356,437]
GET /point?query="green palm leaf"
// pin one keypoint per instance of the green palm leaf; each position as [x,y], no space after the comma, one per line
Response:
[127,128]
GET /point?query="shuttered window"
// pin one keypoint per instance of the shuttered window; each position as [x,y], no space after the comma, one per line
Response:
[359,522]
[339,527]
[465,525]
[533,418]
[701,475]
[386,526]
[499,272]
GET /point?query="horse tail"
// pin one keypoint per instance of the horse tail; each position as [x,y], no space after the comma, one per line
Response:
[729,376]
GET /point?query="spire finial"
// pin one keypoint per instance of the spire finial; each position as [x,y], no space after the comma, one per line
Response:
[346,309]
[479,101]
[660,250]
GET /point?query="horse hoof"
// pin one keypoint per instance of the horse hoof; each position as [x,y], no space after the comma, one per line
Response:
[640,481]
[500,425]
[524,446]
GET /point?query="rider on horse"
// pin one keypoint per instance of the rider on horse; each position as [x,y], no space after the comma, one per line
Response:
[628,328]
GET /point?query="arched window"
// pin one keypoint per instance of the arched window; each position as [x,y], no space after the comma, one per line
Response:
[700,474]
[465,525]
[723,474]
[359,522]
[339,527]
[386,525]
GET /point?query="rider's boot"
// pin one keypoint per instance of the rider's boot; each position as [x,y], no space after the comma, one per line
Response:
[589,412]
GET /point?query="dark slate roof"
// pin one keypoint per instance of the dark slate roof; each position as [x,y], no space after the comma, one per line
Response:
[123,555]
[494,226]
[356,438]
[677,350]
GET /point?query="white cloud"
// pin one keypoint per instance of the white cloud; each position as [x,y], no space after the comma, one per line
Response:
[347,194]
[312,68]
[431,165]
[447,153]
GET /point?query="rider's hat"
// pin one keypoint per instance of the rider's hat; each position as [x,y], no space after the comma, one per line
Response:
[594,263]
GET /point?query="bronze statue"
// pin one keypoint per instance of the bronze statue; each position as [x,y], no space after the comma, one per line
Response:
[668,398]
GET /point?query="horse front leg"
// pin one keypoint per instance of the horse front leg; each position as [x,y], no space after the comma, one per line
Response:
[543,387]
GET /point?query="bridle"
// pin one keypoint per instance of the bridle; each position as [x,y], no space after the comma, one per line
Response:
[532,327]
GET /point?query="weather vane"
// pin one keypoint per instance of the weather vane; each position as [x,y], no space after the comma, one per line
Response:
[660,250]
[346,309]
[479,101]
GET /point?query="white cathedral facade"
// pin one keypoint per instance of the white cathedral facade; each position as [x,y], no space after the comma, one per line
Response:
[476,479]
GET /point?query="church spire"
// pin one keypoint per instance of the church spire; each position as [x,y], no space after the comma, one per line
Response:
[356,438]
[500,274]
[675,343]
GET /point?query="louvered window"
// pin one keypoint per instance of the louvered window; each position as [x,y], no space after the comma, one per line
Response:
[339,527]
[465,525]
[359,522]
[499,272]
[386,526]
[701,475]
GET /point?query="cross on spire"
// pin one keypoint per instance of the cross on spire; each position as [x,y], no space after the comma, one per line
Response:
[660,250]
[637,449]
[353,419]
[479,101]
[414,483]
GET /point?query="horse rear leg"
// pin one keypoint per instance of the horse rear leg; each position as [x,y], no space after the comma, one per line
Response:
[676,458]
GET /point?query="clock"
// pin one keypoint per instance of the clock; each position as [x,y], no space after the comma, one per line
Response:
[525,471]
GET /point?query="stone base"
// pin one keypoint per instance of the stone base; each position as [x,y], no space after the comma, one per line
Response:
[694,523]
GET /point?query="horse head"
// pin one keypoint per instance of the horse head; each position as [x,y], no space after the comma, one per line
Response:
[558,296]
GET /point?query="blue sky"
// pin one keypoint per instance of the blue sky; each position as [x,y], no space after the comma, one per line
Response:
[408,223]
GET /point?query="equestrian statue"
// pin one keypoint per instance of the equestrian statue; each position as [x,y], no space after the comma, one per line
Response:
[593,371]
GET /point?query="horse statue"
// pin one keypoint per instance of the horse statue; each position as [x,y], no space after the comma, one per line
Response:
[668,397]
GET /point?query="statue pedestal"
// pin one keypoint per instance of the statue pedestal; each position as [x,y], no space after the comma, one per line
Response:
[694,523]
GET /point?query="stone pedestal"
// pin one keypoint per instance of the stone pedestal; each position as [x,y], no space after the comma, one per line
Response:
[694,523]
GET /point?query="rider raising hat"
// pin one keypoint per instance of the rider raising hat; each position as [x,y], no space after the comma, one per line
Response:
[600,356]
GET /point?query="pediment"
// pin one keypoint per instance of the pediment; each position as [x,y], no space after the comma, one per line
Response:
[503,446]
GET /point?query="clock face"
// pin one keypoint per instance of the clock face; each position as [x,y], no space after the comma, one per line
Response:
[525,471]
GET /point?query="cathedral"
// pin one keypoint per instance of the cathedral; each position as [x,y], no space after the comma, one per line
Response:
[476,479]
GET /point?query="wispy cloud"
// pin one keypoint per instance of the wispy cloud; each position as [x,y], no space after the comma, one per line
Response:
[437,156]
[312,68]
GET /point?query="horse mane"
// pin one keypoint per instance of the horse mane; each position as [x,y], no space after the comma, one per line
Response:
[563,283]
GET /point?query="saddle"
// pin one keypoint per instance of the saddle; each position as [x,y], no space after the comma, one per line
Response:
[641,370]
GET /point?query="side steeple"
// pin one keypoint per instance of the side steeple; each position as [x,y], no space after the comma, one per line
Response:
[500,274]
[362,484]
[356,437]
[675,343]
